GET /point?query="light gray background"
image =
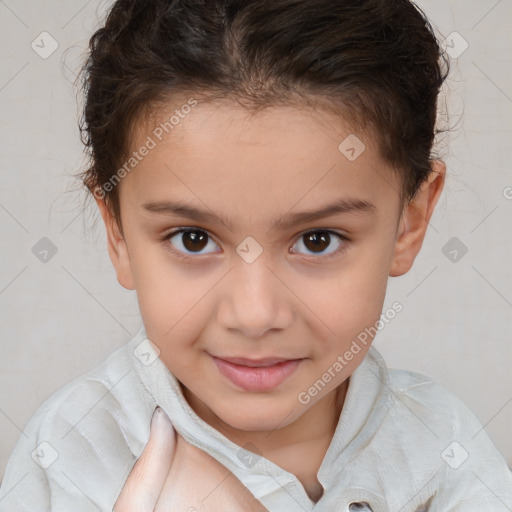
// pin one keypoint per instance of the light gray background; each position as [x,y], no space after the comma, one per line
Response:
[63,317]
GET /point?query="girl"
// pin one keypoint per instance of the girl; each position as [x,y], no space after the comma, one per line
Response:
[290,142]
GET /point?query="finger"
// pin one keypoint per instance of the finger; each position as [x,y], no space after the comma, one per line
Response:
[187,479]
[198,482]
[144,484]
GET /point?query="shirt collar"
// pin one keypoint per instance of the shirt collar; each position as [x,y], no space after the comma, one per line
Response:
[366,401]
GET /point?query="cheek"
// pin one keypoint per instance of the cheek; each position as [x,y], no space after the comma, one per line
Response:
[350,298]
[169,297]
[350,304]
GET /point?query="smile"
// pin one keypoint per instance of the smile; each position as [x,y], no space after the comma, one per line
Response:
[258,376]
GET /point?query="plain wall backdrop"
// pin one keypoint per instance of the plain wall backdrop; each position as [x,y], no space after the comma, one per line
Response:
[63,311]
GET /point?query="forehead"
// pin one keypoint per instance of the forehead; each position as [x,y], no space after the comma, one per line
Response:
[187,118]
[235,159]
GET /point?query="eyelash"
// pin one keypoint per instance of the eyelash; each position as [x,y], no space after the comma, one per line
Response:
[166,238]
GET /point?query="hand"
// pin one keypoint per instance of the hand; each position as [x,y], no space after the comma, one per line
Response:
[172,475]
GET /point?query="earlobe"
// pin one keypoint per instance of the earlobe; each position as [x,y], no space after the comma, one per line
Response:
[117,248]
[414,220]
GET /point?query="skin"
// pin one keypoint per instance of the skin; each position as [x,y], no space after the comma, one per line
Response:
[293,301]
[165,478]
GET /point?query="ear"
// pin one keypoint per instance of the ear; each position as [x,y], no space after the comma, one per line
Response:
[415,218]
[117,249]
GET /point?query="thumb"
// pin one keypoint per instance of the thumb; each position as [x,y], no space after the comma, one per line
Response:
[146,480]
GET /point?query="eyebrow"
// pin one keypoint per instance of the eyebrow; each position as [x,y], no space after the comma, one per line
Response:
[338,207]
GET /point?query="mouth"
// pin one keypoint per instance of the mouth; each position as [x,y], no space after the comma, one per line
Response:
[256,375]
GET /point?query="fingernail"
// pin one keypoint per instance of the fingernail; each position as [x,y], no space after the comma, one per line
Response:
[156,413]
[159,417]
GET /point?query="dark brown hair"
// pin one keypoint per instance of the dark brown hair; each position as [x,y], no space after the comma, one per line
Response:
[376,63]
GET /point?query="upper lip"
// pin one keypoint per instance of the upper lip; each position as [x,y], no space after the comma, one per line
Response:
[244,361]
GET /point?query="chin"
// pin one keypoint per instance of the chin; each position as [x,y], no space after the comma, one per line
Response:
[250,416]
[261,424]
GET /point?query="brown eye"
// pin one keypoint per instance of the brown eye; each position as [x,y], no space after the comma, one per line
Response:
[319,240]
[189,240]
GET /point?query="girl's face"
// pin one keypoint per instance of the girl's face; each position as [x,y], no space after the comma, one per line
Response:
[229,260]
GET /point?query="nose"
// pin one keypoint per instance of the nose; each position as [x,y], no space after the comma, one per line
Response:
[255,300]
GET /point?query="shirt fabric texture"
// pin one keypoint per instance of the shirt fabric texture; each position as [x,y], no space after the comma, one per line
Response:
[403,443]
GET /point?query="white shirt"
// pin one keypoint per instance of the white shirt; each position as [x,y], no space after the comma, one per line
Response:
[403,444]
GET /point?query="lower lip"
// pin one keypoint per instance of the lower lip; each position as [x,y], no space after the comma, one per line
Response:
[263,378]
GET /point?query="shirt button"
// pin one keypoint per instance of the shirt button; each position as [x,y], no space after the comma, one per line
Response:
[359,507]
